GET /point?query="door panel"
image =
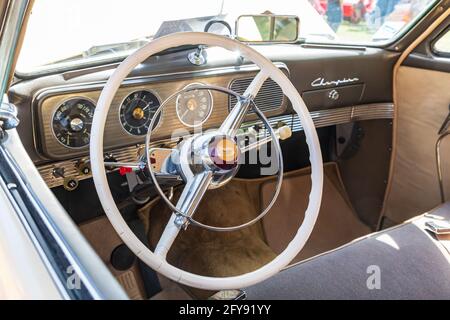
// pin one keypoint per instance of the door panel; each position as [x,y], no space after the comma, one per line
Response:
[423,103]
[422,99]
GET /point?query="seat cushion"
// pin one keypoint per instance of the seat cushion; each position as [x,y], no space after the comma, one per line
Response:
[412,264]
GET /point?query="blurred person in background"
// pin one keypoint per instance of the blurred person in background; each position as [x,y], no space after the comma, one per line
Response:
[385,8]
[334,14]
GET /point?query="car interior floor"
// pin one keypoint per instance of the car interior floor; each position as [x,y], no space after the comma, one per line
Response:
[223,253]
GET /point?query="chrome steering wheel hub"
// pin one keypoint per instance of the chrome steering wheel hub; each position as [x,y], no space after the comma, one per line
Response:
[221,154]
[216,153]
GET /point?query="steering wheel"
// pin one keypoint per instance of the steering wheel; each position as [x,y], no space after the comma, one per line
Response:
[212,173]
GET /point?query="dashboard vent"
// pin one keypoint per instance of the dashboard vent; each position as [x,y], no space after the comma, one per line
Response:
[269,98]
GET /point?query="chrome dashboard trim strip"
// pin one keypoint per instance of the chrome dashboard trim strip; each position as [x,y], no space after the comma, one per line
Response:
[321,118]
[332,117]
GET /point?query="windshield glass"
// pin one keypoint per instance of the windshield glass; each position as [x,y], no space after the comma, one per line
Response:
[67,33]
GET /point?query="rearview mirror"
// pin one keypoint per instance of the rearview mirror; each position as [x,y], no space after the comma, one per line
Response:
[267,28]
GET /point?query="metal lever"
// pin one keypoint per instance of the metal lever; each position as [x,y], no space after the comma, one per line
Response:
[282,133]
[133,165]
[137,166]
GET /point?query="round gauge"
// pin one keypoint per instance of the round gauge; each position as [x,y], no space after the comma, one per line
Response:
[137,111]
[194,107]
[72,122]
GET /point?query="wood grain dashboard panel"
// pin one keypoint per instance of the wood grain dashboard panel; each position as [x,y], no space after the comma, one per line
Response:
[115,136]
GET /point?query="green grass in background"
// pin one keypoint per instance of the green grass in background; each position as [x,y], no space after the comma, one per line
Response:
[351,32]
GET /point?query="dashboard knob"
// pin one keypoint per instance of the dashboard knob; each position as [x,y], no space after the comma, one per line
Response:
[58,172]
[83,167]
[70,183]
[284,132]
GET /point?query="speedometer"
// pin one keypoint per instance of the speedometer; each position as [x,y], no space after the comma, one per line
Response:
[71,123]
[194,106]
[137,111]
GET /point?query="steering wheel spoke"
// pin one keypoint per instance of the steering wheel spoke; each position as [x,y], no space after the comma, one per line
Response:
[237,115]
[189,200]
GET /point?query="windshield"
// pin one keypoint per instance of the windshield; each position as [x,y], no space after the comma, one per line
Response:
[67,33]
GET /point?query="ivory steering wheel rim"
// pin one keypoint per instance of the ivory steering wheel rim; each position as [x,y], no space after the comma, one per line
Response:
[158,262]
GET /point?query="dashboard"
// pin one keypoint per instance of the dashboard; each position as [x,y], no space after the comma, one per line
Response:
[64,116]
[338,85]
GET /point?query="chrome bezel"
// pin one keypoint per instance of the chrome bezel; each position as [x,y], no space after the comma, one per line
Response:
[53,117]
[211,105]
[122,102]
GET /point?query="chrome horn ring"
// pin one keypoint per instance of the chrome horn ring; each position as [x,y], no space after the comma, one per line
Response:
[181,215]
